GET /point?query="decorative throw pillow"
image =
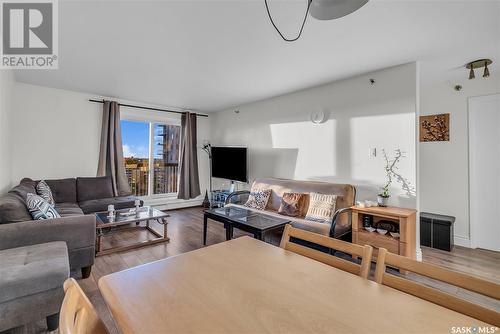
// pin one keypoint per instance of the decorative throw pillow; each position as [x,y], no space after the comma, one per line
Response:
[321,207]
[292,204]
[258,199]
[40,208]
[43,190]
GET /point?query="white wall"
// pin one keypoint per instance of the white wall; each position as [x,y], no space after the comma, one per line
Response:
[56,134]
[6,82]
[283,142]
[444,166]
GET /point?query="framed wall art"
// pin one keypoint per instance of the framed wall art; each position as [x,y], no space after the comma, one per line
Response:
[435,128]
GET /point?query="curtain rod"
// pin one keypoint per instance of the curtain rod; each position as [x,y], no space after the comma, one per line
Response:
[147,108]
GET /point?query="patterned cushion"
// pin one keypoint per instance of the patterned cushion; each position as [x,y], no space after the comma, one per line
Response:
[40,208]
[43,190]
[292,204]
[258,199]
[321,207]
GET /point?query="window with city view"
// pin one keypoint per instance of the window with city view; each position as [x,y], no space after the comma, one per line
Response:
[158,166]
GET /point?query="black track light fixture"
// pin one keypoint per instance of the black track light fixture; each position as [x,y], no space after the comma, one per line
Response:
[478,64]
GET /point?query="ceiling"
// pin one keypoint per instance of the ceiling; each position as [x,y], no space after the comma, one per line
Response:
[211,55]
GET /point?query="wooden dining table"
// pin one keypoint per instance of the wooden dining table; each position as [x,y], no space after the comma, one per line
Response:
[247,286]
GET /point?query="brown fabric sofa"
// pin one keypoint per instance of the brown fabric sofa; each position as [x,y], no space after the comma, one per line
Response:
[337,228]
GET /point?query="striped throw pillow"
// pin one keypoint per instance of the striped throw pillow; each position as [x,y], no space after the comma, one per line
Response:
[43,190]
[40,208]
[321,207]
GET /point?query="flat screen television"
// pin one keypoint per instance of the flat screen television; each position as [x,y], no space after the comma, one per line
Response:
[230,163]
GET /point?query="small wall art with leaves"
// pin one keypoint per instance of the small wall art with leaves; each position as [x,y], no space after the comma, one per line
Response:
[435,128]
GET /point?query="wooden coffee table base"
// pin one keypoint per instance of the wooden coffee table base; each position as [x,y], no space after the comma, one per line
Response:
[160,238]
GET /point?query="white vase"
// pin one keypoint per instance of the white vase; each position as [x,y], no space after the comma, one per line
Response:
[382,200]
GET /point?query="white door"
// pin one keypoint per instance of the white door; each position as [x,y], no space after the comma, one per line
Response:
[484,171]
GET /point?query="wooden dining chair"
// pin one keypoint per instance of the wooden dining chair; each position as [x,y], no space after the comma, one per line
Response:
[364,252]
[433,295]
[78,315]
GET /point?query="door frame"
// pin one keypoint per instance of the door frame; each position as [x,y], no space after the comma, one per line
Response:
[484,98]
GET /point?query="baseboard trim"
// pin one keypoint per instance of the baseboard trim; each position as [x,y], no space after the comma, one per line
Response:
[461,241]
[419,254]
[173,203]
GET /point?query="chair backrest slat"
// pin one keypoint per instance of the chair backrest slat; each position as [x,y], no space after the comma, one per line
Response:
[458,279]
[365,252]
[436,296]
[78,315]
[330,260]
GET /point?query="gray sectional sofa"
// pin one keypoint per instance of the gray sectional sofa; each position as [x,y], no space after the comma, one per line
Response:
[36,256]
[31,284]
[76,200]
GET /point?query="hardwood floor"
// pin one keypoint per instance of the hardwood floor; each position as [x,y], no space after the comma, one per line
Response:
[185,231]
[477,262]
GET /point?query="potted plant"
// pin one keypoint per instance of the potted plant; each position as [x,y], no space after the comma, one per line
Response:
[390,170]
[383,196]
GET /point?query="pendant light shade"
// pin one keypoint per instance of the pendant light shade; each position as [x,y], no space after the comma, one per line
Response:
[471,73]
[321,10]
[486,73]
[334,9]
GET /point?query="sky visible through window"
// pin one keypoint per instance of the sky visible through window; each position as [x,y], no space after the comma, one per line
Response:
[135,137]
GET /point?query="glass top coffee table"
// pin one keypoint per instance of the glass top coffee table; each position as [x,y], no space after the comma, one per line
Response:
[129,219]
[250,221]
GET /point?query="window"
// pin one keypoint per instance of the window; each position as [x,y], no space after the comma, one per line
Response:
[166,158]
[151,156]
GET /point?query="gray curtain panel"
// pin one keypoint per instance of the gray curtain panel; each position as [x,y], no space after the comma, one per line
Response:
[189,182]
[111,153]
